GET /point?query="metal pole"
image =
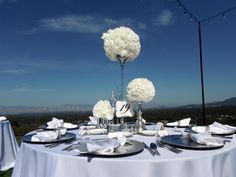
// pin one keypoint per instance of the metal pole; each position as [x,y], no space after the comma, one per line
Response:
[202,81]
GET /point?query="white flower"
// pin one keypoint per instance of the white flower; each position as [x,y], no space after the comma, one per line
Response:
[140,90]
[103,109]
[121,44]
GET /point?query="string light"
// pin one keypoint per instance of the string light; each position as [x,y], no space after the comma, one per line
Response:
[223,14]
[198,22]
[190,15]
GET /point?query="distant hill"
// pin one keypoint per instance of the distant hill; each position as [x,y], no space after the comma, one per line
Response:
[44,109]
[228,102]
[86,107]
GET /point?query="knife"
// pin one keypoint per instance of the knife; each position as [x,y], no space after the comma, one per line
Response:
[149,149]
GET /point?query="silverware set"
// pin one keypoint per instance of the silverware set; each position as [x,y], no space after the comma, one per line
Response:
[160,144]
[52,145]
[153,148]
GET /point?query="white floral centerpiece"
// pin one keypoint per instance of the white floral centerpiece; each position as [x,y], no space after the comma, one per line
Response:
[121,44]
[103,110]
[140,90]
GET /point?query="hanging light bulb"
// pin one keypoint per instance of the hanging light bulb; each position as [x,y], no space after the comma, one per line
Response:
[179,6]
[191,17]
[209,20]
[185,12]
[223,14]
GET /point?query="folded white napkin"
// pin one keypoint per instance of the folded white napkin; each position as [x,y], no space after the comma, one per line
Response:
[207,139]
[83,127]
[102,146]
[93,120]
[69,125]
[59,123]
[97,131]
[231,127]
[162,133]
[120,136]
[182,122]
[55,123]
[219,128]
[45,136]
[201,129]
[160,126]
[2,118]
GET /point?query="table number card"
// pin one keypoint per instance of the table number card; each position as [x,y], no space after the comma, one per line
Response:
[124,109]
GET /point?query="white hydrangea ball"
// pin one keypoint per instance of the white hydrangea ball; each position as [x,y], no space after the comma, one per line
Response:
[121,44]
[140,90]
[103,109]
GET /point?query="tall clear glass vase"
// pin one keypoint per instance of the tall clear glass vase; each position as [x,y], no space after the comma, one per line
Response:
[121,94]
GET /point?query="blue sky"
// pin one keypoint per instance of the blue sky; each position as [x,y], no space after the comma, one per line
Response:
[51,51]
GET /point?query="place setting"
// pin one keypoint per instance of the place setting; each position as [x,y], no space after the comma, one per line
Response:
[49,137]
[209,137]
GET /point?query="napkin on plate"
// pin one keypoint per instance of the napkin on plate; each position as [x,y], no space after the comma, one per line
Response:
[105,145]
[2,118]
[69,125]
[120,136]
[161,133]
[59,123]
[231,127]
[97,131]
[207,139]
[219,128]
[55,123]
[182,122]
[45,136]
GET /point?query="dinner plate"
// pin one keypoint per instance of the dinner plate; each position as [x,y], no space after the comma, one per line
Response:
[202,129]
[66,137]
[45,127]
[148,132]
[131,147]
[185,143]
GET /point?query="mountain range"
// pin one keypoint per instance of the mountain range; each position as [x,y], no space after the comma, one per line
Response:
[228,102]
[86,107]
[44,109]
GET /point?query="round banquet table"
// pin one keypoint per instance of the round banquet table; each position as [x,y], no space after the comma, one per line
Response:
[36,160]
[8,146]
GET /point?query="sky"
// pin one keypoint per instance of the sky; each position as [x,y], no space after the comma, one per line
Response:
[51,51]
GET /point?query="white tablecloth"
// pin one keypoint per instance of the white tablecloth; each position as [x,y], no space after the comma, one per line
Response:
[38,161]
[8,146]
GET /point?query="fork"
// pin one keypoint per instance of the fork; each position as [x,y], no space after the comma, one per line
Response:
[159,143]
[70,147]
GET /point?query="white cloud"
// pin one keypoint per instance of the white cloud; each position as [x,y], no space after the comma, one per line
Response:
[14,71]
[85,24]
[27,88]
[22,65]
[72,23]
[165,18]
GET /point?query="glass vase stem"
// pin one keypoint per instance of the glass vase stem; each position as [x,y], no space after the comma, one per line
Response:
[122,67]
